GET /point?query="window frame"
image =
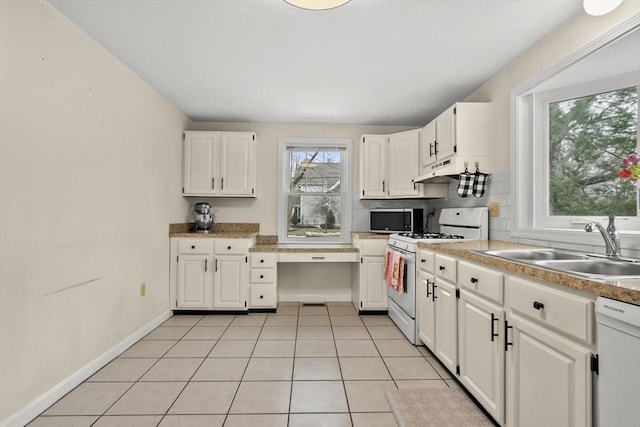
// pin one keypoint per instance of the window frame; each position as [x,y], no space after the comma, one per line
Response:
[345,188]
[541,101]
[524,161]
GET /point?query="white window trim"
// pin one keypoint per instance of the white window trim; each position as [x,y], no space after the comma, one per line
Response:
[524,160]
[345,188]
[541,101]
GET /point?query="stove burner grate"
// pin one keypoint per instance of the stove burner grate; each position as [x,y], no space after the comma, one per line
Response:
[431,236]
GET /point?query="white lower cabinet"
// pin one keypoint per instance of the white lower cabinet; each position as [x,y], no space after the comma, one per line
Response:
[203,279]
[369,290]
[263,275]
[521,347]
[230,282]
[548,369]
[481,351]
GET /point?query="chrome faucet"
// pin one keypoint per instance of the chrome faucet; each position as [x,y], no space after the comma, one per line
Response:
[610,236]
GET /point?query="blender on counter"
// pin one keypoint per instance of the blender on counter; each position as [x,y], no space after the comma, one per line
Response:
[204,217]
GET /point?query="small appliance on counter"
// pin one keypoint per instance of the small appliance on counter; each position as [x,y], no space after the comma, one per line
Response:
[203,216]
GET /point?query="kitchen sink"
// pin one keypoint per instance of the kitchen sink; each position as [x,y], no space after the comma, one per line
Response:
[592,266]
[595,267]
[535,254]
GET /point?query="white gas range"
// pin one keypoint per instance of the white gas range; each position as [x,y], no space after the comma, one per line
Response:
[456,224]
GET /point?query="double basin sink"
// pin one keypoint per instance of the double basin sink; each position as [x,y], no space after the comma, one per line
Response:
[586,265]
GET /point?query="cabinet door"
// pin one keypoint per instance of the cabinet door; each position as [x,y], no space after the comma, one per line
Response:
[427,146]
[548,378]
[230,282]
[194,282]
[426,314]
[446,133]
[373,290]
[404,163]
[481,351]
[373,166]
[237,164]
[446,324]
[200,163]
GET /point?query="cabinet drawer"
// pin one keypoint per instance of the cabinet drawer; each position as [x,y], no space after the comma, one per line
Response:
[231,246]
[566,312]
[263,260]
[263,275]
[262,295]
[195,246]
[484,281]
[445,268]
[318,257]
[426,261]
[373,247]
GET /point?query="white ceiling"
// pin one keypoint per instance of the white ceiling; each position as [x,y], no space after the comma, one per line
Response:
[375,62]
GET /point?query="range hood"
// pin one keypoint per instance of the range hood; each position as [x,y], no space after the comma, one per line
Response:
[443,171]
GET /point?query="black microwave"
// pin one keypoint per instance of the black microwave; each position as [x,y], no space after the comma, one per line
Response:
[395,220]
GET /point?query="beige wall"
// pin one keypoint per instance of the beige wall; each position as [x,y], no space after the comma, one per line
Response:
[89,181]
[263,208]
[572,36]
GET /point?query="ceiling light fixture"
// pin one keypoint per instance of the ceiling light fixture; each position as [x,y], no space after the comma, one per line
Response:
[317,4]
[600,7]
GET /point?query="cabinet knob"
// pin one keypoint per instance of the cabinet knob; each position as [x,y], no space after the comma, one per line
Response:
[423,260]
[441,268]
[229,247]
[262,276]
[261,261]
[193,246]
[261,296]
[538,305]
[474,280]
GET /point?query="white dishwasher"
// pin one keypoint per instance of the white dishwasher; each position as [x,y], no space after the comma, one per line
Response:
[618,393]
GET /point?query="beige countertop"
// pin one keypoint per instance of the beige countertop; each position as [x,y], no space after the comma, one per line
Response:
[220,230]
[369,235]
[622,290]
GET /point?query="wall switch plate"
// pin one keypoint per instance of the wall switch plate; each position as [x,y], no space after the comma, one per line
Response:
[494,209]
[143,289]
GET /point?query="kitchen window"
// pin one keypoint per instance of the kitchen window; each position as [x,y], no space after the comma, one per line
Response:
[586,131]
[574,123]
[315,187]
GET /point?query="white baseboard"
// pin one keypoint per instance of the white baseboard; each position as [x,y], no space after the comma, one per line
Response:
[39,405]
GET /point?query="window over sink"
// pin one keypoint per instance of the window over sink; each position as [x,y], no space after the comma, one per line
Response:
[315,187]
[574,125]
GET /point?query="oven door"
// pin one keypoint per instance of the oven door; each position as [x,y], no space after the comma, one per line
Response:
[406,300]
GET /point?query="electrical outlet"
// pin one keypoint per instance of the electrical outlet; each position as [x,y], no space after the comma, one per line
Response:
[143,289]
[494,209]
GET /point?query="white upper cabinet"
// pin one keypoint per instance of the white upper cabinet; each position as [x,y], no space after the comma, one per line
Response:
[404,164]
[388,165]
[461,134]
[218,164]
[373,166]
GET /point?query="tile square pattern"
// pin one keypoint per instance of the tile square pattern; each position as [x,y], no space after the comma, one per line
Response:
[303,366]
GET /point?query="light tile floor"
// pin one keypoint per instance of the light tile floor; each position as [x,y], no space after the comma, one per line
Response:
[302,366]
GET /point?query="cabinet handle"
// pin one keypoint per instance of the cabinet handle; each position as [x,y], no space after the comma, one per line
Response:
[433,291]
[538,305]
[317,257]
[216,265]
[428,293]
[474,280]
[494,318]
[506,335]
[441,268]
[213,183]
[414,185]
[383,186]
[222,183]
[206,263]
[435,148]
[431,153]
